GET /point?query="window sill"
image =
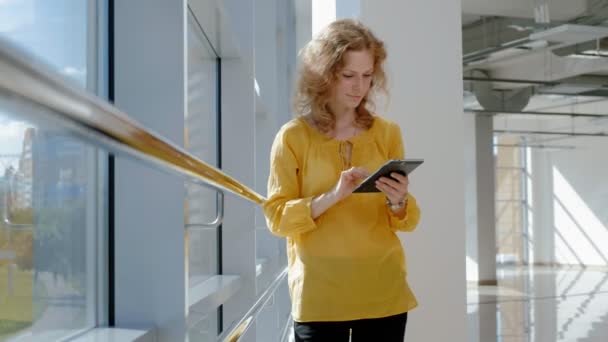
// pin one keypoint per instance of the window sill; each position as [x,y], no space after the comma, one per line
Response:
[105,334]
[213,292]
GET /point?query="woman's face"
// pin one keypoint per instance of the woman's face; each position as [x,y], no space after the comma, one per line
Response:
[354,80]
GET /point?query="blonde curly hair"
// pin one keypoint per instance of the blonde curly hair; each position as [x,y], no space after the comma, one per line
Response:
[322,60]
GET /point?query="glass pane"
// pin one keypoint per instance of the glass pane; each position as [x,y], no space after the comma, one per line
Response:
[201,139]
[50,207]
[202,326]
[508,184]
[274,65]
[52,198]
[510,200]
[207,17]
[273,322]
[54,31]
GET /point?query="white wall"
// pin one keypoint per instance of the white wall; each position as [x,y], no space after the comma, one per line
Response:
[149,218]
[570,201]
[424,48]
[348,9]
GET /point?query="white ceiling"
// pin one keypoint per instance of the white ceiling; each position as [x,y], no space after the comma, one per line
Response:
[469,18]
[558,9]
[541,65]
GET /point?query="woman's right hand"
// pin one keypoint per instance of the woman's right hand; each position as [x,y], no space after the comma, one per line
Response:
[349,179]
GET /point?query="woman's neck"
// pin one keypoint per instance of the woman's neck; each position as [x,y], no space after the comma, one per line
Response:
[345,125]
[345,119]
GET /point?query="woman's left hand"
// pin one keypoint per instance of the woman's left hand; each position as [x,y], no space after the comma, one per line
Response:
[395,191]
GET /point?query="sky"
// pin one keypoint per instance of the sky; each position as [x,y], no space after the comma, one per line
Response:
[55,31]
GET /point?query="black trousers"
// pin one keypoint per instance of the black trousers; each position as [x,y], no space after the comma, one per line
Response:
[386,329]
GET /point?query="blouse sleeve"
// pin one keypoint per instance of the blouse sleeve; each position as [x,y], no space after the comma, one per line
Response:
[410,220]
[286,213]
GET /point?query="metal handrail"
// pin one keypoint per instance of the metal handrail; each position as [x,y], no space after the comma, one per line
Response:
[240,328]
[94,120]
[219,218]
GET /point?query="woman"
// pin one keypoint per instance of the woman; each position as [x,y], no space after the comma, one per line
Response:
[347,270]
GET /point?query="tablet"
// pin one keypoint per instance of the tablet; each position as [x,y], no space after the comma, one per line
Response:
[403,167]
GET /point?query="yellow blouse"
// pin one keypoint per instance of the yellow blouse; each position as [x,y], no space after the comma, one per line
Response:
[348,263]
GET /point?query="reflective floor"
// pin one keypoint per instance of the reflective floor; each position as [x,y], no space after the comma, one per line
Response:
[540,304]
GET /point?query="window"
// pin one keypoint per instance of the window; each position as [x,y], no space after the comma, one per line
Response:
[52,186]
[274,80]
[202,140]
[511,201]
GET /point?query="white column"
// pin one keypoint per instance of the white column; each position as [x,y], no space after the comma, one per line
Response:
[485,189]
[479,170]
[471,198]
[238,160]
[150,86]
[323,13]
[423,38]
[485,218]
[542,206]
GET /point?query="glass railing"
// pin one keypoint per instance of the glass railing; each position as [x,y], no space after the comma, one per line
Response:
[267,305]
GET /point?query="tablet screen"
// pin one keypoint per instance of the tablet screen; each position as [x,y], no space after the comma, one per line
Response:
[403,167]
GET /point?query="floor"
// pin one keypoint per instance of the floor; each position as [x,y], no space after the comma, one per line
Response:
[540,304]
